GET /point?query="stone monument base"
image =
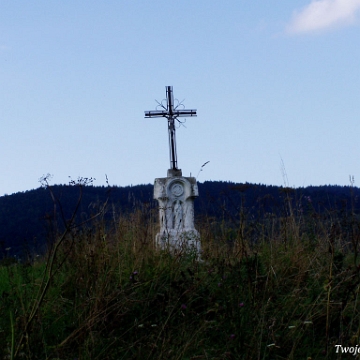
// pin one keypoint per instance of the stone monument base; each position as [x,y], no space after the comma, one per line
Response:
[173,241]
[176,195]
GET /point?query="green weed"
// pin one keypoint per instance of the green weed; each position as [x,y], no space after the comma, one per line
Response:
[282,288]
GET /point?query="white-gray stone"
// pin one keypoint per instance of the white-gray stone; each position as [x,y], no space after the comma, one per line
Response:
[176,195]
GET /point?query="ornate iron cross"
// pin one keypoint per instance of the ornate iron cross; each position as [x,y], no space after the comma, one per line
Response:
[170,112]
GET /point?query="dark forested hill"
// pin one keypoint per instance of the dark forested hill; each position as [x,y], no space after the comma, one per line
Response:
[27,219]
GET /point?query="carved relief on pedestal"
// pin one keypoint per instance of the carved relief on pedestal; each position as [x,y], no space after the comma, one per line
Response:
[177,189]
[178,215]
[176,209]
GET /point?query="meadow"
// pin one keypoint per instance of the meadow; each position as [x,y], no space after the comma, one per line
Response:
[279,287]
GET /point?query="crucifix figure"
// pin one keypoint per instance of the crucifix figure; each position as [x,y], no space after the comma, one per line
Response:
[171,112]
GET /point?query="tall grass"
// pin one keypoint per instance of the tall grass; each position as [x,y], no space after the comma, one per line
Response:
[283,287]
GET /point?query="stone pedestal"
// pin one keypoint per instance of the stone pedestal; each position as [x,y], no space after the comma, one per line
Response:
[176,195]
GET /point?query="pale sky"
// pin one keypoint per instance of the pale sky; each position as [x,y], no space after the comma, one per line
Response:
[273,82]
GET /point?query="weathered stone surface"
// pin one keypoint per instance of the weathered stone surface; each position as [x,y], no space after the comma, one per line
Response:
[176,195]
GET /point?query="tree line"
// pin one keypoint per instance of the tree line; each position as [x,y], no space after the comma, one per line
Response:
[29,220]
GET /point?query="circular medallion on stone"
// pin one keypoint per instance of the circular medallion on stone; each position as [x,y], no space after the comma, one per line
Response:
[177,189]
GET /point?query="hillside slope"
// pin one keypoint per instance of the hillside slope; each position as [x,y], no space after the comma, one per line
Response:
[29,219]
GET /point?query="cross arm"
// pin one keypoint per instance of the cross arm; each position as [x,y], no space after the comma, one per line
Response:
[156,113]
[181,113]
[165,113]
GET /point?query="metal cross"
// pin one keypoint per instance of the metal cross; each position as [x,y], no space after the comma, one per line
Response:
[171,113]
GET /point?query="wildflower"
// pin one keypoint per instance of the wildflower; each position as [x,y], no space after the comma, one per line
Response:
[132,276]
[232,336]
[219,284]
[183,307]
[241,304]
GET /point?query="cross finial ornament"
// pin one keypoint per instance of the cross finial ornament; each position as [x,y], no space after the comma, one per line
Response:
[171,112]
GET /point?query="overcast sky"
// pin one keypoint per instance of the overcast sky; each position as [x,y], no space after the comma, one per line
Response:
[275,84]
